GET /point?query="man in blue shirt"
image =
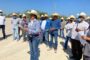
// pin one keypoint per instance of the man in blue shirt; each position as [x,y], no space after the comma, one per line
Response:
[55,25]
[45,27]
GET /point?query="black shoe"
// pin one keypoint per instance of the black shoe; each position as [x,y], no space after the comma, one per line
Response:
[28,52]
[72,57]
[4,37]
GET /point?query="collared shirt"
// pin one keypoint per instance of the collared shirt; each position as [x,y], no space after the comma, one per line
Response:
[56,24]
[2,20]
[34,27]
[83,26]
[24,23]
[74,33]
[47,25]
[63,23]
[69,28]
[20,20]
[15,23]
[43,24]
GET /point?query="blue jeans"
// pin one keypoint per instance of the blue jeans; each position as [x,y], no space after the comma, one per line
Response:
[46,37]
[52,44]
[66,42]
[34,51]
[62,33]
[15,34]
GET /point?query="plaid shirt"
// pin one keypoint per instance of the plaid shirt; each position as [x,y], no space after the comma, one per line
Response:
[34,27]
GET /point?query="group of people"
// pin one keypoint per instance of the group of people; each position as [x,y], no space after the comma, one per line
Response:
[45,30]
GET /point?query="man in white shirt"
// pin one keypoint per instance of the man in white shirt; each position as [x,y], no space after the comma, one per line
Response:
[63,23]
[78,30]
[68,28]
[15,25]
[45,26]
[2,24]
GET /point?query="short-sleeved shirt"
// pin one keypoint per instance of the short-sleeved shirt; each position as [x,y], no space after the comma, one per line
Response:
[15,23]
[2,20]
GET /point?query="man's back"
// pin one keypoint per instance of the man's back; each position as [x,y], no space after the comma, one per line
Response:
[2,20]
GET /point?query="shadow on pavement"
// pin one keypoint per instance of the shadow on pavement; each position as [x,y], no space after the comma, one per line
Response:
[67,51]
[1,38]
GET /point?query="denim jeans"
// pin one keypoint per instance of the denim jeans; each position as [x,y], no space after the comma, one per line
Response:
[52,44]
[34,51]
[15,34]
[66,42]
[62,33]
[46,37]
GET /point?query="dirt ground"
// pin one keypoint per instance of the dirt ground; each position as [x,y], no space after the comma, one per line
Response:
[17,50]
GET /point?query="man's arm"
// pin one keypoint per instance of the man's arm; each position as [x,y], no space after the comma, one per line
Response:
[85,38]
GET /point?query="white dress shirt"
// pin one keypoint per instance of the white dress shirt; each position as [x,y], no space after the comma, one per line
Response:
[2,20]
[43,25]
[83,26]
[68,28]
[74,33]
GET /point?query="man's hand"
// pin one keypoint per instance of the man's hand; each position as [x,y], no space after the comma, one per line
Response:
[84,37]
[52,29]
[78,30]
[26,29]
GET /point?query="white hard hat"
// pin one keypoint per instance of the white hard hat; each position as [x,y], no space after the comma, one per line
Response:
[14,14]
[24,15]
[1,11]
[33,12]
[55,14]
[82,14]
[72,16]
[62,18]
[88,17]
[46,15]
[42,15]
[50,18]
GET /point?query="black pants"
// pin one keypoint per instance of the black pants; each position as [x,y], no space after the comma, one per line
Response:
[3,30]
[76,49]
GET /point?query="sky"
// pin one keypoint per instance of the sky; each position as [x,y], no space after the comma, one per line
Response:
[63,7]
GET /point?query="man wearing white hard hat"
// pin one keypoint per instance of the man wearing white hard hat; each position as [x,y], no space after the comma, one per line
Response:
[63,23]
[67,20]
[76,41]
[68,28]
[46,16]
[33,30]
[24,24]
[2,23]
[55,26]
[45,27]
[81,29]
[42,17]
[15,25]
